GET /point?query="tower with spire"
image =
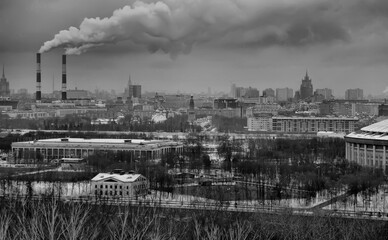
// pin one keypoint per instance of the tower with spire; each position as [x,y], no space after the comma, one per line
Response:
[306,88]
[4,85]
[191,111]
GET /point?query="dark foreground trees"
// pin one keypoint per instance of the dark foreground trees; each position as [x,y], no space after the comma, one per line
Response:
[49,219]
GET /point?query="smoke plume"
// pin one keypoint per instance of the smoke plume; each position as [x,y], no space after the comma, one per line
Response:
[175,26]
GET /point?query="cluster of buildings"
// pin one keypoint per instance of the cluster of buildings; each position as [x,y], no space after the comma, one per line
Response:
[279,110]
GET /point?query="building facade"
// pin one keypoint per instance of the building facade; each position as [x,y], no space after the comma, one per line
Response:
[313,124]
[222,103]
[327,93]
[261,122]
[58,148]
[354,94]
[263,108]
[269,92]
[370,146]
[118,184]
[284,94]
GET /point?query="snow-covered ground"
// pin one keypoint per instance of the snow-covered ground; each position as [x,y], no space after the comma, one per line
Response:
[377,202]
[374,203]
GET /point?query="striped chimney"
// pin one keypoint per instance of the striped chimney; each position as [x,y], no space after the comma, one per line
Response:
[38,94]
[64,78]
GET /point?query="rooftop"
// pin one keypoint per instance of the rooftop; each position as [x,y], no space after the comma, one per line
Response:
[107,143]
[100,140]
[379,127]
[368,135]
[126,177]
[317,118]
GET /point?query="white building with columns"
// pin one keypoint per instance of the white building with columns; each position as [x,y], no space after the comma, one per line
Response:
[58,148]
[370,146]
[119,184]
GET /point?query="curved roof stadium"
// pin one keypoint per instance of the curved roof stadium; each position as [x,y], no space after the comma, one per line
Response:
[379,127]
[377,132]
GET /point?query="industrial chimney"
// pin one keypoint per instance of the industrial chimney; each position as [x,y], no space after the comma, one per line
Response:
[64,77]
[38,94]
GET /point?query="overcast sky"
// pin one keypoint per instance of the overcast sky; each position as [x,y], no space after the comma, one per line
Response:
[190,45]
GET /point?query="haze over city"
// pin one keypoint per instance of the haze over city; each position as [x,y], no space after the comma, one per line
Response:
[189,46]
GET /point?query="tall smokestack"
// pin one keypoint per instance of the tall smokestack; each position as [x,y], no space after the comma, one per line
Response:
[38,94]
[64,77]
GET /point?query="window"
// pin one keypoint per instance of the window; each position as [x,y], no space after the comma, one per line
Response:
[101,186]
[110,186]
[121,187]
[106,186]
[115,186]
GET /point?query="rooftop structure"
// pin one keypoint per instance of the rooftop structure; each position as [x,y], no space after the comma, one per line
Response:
[119,177]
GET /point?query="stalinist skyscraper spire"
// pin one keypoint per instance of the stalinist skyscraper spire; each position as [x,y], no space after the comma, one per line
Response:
[4,85]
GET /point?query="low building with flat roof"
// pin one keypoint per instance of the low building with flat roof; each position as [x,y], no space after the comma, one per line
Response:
[58,148]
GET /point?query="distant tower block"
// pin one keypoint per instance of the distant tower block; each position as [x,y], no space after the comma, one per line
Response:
[191,112]
[64,78]
[130,94]
[38,94]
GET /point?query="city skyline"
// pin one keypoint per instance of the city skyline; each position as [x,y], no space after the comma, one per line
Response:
[342,44]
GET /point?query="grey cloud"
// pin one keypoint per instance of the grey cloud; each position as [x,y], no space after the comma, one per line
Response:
[178,26]
[175,26]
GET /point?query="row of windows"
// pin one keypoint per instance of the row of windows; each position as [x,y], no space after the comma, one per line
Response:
[111,193]
[111,186]
[116,186]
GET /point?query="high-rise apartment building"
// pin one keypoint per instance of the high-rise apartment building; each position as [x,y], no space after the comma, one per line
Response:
[284,94]
[354,94]
[233,91]
[327,93]
[133,91]
[136,91]
[269,92]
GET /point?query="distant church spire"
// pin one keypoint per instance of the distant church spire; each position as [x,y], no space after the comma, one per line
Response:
[3,72]
[307,72]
